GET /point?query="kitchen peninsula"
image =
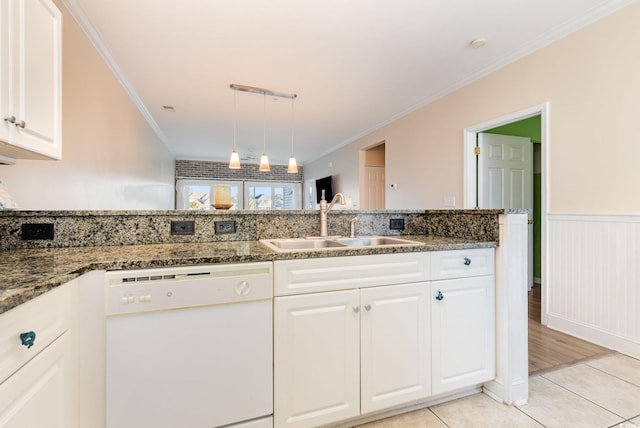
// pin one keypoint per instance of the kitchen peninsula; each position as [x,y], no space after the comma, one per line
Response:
[86,244]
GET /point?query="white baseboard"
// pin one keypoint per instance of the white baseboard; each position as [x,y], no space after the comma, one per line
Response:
[594,335]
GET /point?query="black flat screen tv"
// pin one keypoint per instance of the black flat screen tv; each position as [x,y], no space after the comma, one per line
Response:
[325,184]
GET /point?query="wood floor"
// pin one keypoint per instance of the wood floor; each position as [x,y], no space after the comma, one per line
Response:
[550,349]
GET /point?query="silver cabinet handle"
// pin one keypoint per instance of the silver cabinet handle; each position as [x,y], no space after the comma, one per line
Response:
[12,119]
[367,307]
[356,309]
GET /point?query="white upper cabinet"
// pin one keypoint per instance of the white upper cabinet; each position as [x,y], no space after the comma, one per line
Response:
[30,79]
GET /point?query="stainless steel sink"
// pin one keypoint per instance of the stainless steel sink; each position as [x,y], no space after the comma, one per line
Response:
[301,244]
[373,241]
[313,244]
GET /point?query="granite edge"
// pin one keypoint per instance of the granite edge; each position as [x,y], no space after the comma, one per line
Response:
[11,298]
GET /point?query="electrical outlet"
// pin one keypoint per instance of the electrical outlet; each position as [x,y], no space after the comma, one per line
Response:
[225,226]
[34,231]
[184,227]
[396,224]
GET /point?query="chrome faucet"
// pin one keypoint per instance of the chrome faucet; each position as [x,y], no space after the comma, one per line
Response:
[324,210]
[352,227]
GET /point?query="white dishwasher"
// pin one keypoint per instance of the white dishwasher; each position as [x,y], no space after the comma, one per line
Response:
[190,347]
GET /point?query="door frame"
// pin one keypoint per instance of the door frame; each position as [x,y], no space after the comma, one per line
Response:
[469,180]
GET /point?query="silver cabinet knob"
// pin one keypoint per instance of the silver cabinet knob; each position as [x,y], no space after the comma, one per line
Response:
[10,119]
[356,309]
[367,307]
[21,124]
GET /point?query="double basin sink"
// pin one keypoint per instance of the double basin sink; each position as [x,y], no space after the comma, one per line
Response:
[335,243]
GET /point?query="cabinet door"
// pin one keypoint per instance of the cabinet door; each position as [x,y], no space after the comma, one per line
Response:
[39,395]
[395,337]
[5,127]
[463,332]
[37,70]
[31,79]
[316,358]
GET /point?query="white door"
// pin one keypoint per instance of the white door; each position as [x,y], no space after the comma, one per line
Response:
[317,358]
[463,332]
[395,337]
[375,190]
[505,178]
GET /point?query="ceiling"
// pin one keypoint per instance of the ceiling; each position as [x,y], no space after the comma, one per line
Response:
[354,64]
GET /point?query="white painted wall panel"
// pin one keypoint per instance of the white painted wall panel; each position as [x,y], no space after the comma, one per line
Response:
[593,278]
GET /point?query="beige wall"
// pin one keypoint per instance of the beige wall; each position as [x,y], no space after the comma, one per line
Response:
[374,156]
[111,159]
[590,79]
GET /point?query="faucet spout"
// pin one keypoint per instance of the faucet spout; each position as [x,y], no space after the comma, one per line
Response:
[352,227]
[324,210]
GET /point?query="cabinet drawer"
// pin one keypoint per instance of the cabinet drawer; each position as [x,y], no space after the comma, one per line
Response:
[46,315]
[462,263]
[343,273]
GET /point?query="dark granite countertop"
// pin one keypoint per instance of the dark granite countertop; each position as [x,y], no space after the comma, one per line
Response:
[27,273]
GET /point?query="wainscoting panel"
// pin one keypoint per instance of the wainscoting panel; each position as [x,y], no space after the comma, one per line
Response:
[593,279]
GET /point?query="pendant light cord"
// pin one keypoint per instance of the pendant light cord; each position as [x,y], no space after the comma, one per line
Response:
[292,126]
[235,119]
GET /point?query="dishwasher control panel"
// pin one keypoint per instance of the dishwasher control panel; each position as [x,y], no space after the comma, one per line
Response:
[143,290]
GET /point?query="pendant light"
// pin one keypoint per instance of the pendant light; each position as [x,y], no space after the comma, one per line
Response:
[234,161]
[293,165]
[264,159]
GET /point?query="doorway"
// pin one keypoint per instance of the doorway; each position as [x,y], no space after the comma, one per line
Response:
[504,124]
[372,177]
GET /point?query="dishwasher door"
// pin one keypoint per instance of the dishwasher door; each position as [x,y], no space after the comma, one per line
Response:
[196,366]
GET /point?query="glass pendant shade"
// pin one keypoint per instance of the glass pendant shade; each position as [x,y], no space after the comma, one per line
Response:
[264,163]
[293,165]
[234,161]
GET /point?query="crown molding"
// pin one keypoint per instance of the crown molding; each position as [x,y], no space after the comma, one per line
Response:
[78,13]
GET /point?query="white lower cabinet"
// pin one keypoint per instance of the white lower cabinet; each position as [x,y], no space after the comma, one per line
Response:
[394,345]
[38,395]
[463,332]
[39,383]
[359,335]
[316,358]
[345,353]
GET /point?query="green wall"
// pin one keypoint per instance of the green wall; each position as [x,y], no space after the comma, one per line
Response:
[532,129]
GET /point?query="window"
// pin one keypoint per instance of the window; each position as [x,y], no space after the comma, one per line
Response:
[198,194]
[255,195]
[262,195]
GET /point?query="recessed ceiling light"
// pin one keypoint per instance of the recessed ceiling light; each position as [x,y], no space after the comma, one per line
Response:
[169,108]
[477,43]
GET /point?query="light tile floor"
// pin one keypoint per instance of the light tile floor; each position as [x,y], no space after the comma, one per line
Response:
[598,393]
